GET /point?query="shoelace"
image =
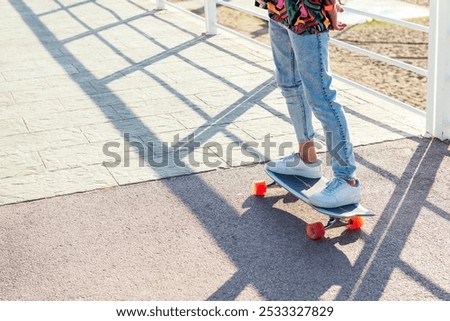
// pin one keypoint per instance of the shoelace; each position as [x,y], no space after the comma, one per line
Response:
[333,184]
[290,158]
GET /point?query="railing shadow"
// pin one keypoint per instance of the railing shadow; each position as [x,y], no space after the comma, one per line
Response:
[381,253]
[266,246]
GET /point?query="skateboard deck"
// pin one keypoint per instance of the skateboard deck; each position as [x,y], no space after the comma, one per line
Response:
[302,188]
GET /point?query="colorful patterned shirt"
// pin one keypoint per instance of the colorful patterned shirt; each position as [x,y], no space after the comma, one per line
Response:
[301,16]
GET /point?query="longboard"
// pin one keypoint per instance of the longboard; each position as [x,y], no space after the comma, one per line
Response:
[302,188]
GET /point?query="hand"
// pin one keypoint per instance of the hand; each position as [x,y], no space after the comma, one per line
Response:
[332,15]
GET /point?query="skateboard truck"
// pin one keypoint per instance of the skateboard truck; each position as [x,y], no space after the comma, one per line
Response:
[316,231]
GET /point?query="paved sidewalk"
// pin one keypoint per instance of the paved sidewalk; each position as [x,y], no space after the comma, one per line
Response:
[84,83]
[76,75]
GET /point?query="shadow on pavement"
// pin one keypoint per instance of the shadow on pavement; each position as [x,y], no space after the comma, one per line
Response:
[266,244]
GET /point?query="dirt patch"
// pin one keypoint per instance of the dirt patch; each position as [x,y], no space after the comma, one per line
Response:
[394,41]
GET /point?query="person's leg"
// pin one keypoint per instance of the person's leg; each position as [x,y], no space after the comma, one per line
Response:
[311,53]
[289,81]
[307,151]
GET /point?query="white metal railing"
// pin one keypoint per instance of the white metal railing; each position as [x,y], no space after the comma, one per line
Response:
[438,73]
[380,57]
[375,16]
[160,4]
[438,99]
[243,9]
[357,49]
[211,16]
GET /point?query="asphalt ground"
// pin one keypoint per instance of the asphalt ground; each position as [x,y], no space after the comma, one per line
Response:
[205,237]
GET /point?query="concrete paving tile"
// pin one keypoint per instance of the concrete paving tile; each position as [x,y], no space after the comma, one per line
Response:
[169,105]
[257,67]
[205,136]
[138,172]
[94,16]
[259,128]
[137,80]
[138,45]
[204,160]
[372,130]
[205,86]
[86,102]
[237,154]
[105,67]
[388,111]
[219,72]
[6,99]
[24,64]
[22,85]
[10,56]
[133,81]
[83,80]
[49,184]
[13,126]
[244,112]
[202,51]
[174,163]
[39,141]
[250,82]
[106,154]
[99,67]
[126,10]
[159,123]
[272,148]
[43,7]
[20,165]
[71,119]
[47,93]
[34,109]
[96,100]
[194,160]
[23,74]
[186,38]
[167,28]
[220,99]
[107,131]
[257,151]
[135,127]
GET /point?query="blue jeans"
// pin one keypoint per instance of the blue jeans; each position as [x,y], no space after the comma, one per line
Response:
[304,77]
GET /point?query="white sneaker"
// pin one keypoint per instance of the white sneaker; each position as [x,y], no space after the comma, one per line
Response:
[294,165]
[337,193]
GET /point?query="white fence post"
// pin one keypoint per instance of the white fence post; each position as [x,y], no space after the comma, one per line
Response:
[160,4]
[438,99]
[211,17]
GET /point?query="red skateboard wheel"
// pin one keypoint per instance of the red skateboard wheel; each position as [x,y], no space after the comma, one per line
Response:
[355,223]
[315,231]
[259,188]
